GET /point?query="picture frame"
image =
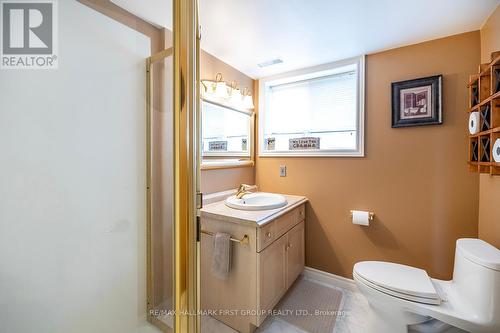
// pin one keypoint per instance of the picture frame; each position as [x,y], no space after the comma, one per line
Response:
[417,102]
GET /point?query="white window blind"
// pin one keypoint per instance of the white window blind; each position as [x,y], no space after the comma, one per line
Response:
[317,105]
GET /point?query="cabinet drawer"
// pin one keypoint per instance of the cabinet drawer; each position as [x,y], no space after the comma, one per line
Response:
[275,229]
[300,214]
[286,222]
[265,236]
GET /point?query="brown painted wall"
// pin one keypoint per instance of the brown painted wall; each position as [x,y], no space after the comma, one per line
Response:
[489,186]
[490,36]
[224,179]
[414,179]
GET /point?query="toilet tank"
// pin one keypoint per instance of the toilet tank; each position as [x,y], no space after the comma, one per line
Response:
[476,279]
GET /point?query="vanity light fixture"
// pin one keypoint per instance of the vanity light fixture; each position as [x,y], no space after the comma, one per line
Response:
[219,91]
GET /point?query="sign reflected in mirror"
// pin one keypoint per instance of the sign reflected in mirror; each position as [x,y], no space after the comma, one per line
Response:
[217,146]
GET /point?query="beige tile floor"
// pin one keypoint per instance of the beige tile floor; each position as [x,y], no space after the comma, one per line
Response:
[354,307]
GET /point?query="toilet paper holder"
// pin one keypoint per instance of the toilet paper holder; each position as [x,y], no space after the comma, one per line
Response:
[371,216]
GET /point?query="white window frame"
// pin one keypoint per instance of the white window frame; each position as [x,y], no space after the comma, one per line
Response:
[309,73]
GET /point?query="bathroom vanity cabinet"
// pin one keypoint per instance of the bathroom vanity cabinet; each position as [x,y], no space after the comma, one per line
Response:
[280,263]
[262,270]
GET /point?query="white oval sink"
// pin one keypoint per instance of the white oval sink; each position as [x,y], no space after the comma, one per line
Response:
[257,201]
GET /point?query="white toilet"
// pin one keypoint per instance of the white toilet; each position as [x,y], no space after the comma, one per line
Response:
[401,295]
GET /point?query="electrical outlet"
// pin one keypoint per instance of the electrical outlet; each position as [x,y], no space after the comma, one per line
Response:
[282,170]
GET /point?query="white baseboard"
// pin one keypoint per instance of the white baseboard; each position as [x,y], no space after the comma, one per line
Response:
[330,279]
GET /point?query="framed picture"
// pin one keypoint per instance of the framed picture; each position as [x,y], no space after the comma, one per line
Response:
[417,102]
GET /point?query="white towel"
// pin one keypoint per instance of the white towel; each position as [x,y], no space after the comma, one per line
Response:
[221,257]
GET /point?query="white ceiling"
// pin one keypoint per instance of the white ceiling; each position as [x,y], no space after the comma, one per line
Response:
[158,12]
[304,33]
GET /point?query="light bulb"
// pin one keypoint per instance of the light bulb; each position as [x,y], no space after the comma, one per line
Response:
[235,97]
[221,90]
[248,102]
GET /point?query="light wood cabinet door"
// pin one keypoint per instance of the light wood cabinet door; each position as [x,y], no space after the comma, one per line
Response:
[272,274]
[295,253]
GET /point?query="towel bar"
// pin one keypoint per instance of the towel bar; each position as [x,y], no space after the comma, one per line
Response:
[244,240]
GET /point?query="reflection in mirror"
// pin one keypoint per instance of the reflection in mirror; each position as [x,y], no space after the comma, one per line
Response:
[226,132]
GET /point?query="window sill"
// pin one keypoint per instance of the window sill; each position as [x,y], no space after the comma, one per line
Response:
[225,164]
[314,154]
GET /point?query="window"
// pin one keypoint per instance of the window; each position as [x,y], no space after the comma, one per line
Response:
[225,131]
[314,112]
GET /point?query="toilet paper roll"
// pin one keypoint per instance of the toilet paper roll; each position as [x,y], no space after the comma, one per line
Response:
[496,151]
[474,122]
[360,217]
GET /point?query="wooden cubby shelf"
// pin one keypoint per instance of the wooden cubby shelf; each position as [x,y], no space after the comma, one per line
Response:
[487,100]
[484,98]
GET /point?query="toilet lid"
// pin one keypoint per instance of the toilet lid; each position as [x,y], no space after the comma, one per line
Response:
[398,279]
[480,252]
[432,301]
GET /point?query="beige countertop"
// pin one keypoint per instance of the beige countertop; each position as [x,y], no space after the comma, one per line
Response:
[219,211]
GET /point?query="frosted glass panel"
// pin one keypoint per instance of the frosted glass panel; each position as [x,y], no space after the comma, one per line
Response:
[161,300]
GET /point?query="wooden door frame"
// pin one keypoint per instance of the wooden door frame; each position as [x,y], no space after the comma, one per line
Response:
[187,151]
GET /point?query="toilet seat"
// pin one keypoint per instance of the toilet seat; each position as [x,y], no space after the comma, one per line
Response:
[409,283]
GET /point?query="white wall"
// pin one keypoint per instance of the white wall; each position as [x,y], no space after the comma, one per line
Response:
[72,183]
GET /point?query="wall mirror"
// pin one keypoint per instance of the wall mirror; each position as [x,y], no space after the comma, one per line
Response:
[227,136]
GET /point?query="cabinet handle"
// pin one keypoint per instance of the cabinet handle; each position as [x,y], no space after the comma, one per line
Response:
[289,245]
[268,235]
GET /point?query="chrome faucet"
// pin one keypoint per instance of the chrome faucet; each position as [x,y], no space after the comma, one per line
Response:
[242,191]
